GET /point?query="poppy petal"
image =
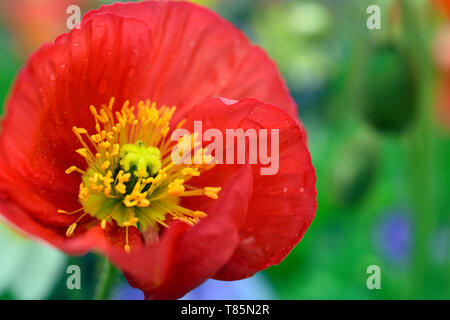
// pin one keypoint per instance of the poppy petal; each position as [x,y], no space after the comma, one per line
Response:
[53,93]
[186,256]
[283,204]
[199,55]
[210,243]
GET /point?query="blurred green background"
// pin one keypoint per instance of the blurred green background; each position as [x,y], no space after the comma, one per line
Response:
[376,104]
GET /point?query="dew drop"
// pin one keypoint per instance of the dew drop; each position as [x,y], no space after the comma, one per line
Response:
[52,76]
[131,72]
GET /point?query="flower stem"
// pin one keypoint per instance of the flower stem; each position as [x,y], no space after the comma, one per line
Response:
[106,280]
[422,148]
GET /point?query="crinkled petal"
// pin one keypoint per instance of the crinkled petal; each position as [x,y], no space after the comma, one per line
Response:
[53,93]
[199,55]
[283,204]
[186,256]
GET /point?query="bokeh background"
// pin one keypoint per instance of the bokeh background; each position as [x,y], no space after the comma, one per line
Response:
[376,104]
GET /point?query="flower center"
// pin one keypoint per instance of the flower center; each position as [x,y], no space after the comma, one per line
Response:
[140,160]
[130,177]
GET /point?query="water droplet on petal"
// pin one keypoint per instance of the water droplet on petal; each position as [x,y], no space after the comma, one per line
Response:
[131,72]
[52,76]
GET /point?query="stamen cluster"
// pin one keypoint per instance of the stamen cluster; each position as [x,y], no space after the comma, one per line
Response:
[131,178]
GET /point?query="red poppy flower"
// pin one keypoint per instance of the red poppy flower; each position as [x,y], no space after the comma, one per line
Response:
[72,143]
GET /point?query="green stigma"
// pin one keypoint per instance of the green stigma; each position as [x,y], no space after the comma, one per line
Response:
[140,160]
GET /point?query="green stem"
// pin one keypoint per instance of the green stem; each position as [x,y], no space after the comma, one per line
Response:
[106,280]
[422,175]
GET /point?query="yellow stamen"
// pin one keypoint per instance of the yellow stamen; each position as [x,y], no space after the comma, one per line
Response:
[176,187]
[212,192]
[73,169]
[127,247]
[70,230]
[130,177]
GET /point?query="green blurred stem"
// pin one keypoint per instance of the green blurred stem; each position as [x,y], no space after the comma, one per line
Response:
[421,144]
[422,185]
[108,274]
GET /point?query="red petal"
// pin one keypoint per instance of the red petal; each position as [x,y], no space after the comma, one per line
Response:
[53,93]
[75,245]
[209,244]
[283,205]
[199,55]
[187,256]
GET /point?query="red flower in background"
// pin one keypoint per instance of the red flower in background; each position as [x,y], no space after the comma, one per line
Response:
[167,227]
[33,22]
[441,52]
[443,5]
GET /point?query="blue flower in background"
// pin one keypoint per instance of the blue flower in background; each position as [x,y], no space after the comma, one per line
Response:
[254,288]
[126,292]
[393,236]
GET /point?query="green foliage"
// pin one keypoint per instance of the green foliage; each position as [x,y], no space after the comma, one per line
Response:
[8,66]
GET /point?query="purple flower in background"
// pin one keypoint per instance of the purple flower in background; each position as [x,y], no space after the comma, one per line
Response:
[127,292]
[393,236]
[254,288]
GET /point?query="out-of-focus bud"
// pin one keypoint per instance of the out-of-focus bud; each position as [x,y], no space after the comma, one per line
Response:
[389,88]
